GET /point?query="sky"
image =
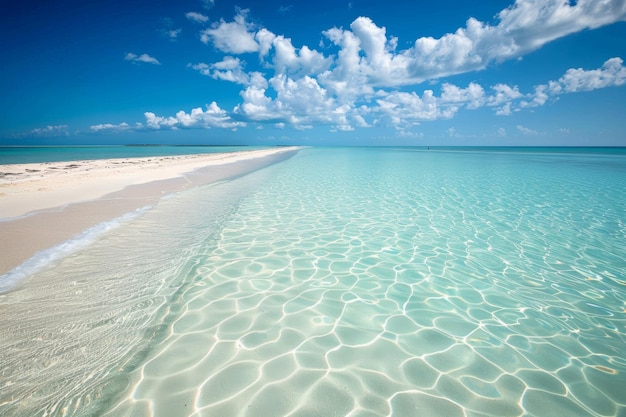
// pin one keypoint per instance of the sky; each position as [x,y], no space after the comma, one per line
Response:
[325,72]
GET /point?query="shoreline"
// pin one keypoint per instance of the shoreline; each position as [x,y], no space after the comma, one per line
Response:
[46,204]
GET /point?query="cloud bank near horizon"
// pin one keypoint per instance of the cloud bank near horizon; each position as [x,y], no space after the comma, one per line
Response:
[303,103]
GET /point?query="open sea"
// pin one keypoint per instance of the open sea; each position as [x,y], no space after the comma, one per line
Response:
[355,282]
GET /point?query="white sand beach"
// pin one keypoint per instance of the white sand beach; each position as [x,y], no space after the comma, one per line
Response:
[43,204]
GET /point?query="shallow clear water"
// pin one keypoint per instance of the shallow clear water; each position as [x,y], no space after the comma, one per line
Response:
[360,282]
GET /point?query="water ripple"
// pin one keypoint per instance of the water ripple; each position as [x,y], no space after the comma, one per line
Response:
[413,284]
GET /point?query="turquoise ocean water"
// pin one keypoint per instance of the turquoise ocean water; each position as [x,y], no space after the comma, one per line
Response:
[340,282]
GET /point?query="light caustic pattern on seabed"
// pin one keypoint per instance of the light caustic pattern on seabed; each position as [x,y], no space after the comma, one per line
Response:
[369,287]
[382,283]
[72,334]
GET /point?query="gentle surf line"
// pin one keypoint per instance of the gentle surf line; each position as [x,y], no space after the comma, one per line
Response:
[44,258]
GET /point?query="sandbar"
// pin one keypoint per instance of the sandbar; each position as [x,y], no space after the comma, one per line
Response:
[45,204]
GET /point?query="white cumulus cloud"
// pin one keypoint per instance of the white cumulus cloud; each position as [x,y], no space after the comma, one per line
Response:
[523,27]
[526,130]
[229,69]
[109,127]
[304,101]
[367,56]
[361,78]
[196,17]
[49,131]
[366,52]
[575,80]
[287,59]
[211,116]
[404,109]
[232,37]
[473,95]
[612,73]
[172,33]
[300,102]
[141,58]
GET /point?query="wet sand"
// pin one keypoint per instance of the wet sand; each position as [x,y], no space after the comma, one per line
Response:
[44,204]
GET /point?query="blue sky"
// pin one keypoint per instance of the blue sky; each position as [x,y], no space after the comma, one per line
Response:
[359,72]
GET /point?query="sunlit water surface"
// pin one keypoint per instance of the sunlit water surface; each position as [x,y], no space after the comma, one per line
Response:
[341,282]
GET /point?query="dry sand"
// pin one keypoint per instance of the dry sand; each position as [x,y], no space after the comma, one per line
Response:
[44,204]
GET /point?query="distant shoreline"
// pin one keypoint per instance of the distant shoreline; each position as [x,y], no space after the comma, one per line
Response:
[182,145]
[10,155]
[36,154]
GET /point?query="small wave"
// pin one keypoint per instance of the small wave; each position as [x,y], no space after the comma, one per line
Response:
[43,258]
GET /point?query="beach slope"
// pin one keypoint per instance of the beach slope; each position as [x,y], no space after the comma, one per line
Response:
[44,204]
